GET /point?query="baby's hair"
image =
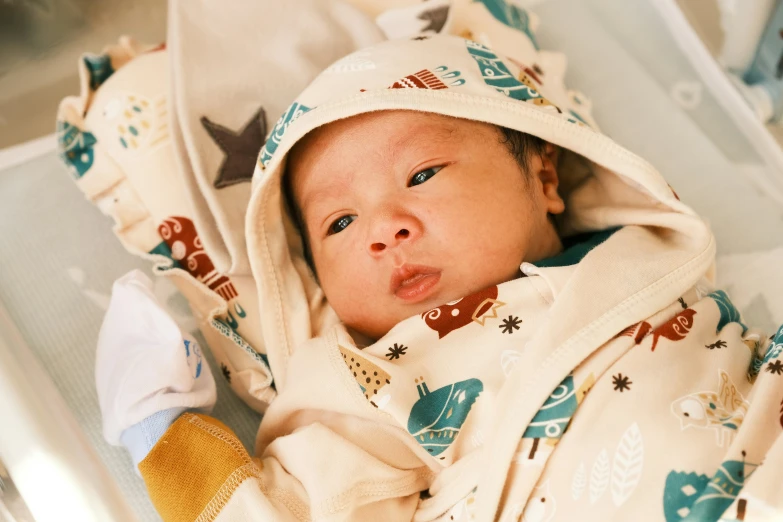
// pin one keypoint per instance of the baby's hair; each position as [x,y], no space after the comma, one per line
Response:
[521,146]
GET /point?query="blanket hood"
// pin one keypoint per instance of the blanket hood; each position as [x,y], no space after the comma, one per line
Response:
[663,249]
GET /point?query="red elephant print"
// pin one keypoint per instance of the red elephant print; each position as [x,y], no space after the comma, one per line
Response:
[675,328]
[456,314]
[180,235]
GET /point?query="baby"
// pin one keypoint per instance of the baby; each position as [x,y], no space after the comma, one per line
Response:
[399,211]
[475,307]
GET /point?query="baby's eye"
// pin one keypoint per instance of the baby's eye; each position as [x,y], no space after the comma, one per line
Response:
[424,175]
[340,224]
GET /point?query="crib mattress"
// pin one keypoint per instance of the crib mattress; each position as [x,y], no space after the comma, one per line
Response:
[59,256]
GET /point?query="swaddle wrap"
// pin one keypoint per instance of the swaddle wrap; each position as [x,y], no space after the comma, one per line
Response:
[646,286]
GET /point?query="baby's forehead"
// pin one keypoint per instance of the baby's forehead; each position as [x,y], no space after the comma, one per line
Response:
[403,129]
[328,152]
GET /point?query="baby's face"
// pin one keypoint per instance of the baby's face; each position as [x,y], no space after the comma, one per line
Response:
[406,211]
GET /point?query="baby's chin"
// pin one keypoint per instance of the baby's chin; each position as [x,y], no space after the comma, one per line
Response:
[366,333]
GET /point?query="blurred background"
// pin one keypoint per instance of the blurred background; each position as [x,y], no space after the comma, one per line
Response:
[41,40]
[40,43]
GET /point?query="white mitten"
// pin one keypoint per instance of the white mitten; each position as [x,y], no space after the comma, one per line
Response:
[144,364]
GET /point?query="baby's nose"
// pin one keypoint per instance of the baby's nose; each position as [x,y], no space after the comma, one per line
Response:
[391,230]
[400,236]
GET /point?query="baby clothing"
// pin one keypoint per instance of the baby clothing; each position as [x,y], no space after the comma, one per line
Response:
[612,382]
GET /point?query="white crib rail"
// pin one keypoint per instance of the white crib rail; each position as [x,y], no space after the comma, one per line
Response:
[47,455]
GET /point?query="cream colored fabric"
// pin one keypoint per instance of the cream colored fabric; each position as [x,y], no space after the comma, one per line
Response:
[675,416]
[226,80]
[638,276]
[116,140]
[158,137]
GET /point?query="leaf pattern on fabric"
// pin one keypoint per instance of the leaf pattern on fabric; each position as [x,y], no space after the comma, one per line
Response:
[627,465]
[579,482]
[508,360]
[599,476]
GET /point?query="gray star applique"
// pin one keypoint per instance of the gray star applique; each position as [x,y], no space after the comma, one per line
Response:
[435,18]
[241,148]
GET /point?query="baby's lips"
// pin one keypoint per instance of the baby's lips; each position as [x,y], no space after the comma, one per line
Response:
[406,273]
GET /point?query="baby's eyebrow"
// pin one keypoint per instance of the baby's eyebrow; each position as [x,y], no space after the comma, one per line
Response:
[434,134]
[423,135]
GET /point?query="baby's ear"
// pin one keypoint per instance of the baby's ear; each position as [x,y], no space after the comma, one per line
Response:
[550,181]
[552,152]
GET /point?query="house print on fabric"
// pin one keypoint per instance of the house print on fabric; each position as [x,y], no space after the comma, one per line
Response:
[436,418]
[700,498]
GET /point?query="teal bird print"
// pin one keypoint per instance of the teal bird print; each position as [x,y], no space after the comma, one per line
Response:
[728,312]
[695,498]
[722,411]
[436,418]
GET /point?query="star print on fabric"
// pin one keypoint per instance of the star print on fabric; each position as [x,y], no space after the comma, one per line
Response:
[621,383]
[241,148]
[510,324]
[396,351]
[435,18]
[717,344]
[226,373]
[775,367]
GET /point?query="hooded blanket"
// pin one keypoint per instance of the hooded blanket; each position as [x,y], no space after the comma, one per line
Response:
[613,382]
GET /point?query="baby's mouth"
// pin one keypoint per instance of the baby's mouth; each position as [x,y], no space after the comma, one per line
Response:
[414,283]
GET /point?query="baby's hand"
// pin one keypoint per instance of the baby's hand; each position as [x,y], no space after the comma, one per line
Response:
[145,367]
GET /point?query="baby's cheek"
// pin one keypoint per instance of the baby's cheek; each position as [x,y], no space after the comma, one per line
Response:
[495,255]
[353,296]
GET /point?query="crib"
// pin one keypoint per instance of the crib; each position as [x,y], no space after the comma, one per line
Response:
[655,88]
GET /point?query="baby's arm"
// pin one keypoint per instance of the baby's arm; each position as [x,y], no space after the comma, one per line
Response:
[154,388]
[199,470]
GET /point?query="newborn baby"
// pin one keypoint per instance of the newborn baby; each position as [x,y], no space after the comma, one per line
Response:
[400,211]
[475,307]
